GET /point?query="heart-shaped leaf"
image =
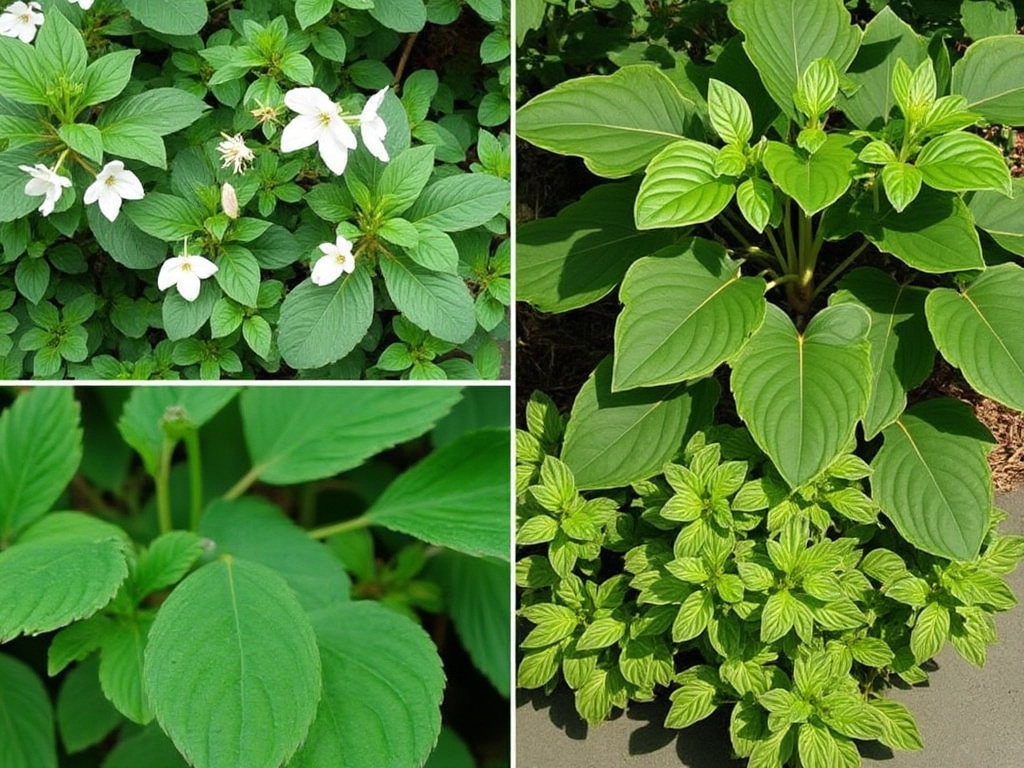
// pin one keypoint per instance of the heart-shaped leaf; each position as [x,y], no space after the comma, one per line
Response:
[681,187]
[814,181]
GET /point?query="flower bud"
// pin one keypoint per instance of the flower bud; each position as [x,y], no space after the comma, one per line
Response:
[229,200]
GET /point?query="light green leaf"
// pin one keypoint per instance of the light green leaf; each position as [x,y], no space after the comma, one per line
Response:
[84,139]
[60,50]
[932,480]
[899,729]
[395,716]
[26,718]
[616,122]
[689,291]
[172,17]
[681,187]
[1001,216]
[121,667]
[146,408]
[958,162]
[902,351]
[987,18]
[930,632]
[691,703]
[257,531]
[782,37]
[236,628]
[165,217]
[614,439]
[872,652]
[108,76]
[729,113]
[40,450]
[820,748]
[978,330]
[167,559]
[41,577]
[986,76]
[460,202]
[694,614]
[439,303]
[756,200]
[801,395]
[814,181]
[322,324]
[457,497]
[902,183]
[21,73]
[326,431]
[309,12]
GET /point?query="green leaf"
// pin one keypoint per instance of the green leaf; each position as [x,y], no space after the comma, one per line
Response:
[172,17]
[167,559]
[121,667]
[84,715]
[817,88]
[614,439]
[233,627]
[801,395]
[439,303]
[932,479]
[457,497]
[403,180]
[477,595]
[958,162]
[693,617]
[40,450]
[778,616]
[987,18]
[899,729]
[681,187]
[258,532]
[401,15]
[579,256]
[986,77]
[132,126]
[41,578]
[146,408]
[782,37]
[616,123]
[165,217]
[820,748]
[26,718]
[327,431]
[238,274]
[691,703]
[309,12]
[930,632]
[322,324]
[108,76]
[1001,216]
[125,242]
[814,181]
[257,334]
[685,292]
[729,113]
[978,330]
[84,139]
[872,652]
[756,200]
[450,752]
[460,202]
[396,712]
[902,183]
[902,351]
[60,50]
[22,76]
[150,747]
[601,633]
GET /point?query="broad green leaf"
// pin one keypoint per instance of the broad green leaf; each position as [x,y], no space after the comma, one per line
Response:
[600,692]
[683,293]
[167,559]
[691,703]
[872,652]
[959,162]
[22,77]
[183,319]
[320,324]
[477,597]
[801,395]
[729,113]
[61,50]
[439,303]
[757,202]
[165,217]
[309,12]
[147,407]
[932,480]
[395,718]
[930,632]
[233,627]
[26,718]
[40,450]
[987,18]
[457,497]
[978,330]
[1001,216]
[450,752]
[297,435]
[616,438]
[902,351]
[934,234]
[172,17]
[149,747]
[14,203]
[404,179]
[460,202]
[820,748]
[681,187]
[817,88]
[887,39]
[899,729]
[257,531]
[986,76]
[581,254]
[84,715]
[616,122]
[121,667]
[782,37]
[778,616]
[601,633]
[84,139]
[124,242]
[401,15]
[41,577]
[108,76]
[902,183]
[814,181]
[238,274]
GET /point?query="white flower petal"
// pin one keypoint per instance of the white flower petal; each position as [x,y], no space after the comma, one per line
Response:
[333,153]
[110,202]
[302,132]
[202,267]
[36,187]
[92,194]
[308,101]
[128,186]
[189,285]
[373,140]
[373,104]
[48,205]
[343,246]
[328,249]
[326,270]
[343,133]
[169,271]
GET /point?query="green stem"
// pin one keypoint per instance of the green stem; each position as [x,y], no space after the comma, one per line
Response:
[841,268]
[307,505]
[195,479]
[790,278]
[345,525]
[783,264]
[243,484]
[163,486]
[734,230]
[792,256]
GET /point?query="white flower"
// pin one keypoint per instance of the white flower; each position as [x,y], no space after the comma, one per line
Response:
[319,122]
[84,4]
[372,128]
[337,260]
[45,182]
[229,201]
[113,184]
[234,152]
[185,272]
[21,20]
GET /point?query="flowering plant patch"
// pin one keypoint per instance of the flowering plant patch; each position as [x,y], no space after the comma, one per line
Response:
[254,188]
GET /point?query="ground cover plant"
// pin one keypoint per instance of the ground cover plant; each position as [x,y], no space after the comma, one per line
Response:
[278,577]
[805,211]
[260,188]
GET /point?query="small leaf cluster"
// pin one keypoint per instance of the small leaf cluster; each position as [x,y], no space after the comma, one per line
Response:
[714,583]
